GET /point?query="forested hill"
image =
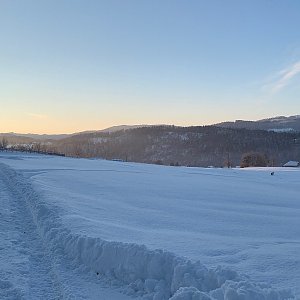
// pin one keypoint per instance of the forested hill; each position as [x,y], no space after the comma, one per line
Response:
[171,145]
[278,124]
[193,146]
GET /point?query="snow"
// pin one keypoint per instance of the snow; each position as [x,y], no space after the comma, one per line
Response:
[150,231]
[291,163]
[282,129]
[29,268]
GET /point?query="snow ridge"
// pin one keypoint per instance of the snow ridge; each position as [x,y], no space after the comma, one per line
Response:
[149,274]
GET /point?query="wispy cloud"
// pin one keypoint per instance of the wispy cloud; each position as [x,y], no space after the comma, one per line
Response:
[37,116]
[282,78]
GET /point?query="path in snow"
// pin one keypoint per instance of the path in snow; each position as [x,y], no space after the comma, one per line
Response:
[28,270]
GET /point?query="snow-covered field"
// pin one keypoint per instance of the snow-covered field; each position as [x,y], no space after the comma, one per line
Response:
[95,229]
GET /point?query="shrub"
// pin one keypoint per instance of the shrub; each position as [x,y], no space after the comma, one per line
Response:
[254,159]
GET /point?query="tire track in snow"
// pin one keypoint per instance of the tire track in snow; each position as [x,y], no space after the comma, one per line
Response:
[26,271]
[29,267]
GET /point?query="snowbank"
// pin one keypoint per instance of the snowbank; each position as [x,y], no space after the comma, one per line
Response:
[150,274]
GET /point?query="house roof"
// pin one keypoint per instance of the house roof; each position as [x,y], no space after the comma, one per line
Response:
[291,163]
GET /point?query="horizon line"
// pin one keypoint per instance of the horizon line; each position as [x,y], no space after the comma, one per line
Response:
[140,125]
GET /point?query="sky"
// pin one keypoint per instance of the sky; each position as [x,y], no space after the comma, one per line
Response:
[75,65]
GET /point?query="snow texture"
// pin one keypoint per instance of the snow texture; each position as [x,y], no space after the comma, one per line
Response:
[142,271]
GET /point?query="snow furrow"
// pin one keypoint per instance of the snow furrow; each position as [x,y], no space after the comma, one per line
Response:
[151,274]
[26,271]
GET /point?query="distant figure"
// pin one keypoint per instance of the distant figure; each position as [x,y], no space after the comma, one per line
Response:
[272,173]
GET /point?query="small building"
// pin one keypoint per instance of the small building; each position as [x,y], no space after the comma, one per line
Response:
[292,163]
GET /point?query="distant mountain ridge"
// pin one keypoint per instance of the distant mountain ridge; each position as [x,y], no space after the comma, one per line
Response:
[44,137]
[34,135]
[277,124]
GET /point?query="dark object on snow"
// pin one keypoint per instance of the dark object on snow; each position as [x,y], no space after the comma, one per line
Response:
[272,173]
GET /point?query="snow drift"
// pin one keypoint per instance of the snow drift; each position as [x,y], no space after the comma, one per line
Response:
[149,274]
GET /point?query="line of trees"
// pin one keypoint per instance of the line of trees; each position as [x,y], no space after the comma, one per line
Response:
[33,147]
[3,143]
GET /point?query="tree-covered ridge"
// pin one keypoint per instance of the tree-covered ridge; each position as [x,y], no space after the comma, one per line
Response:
[171,145]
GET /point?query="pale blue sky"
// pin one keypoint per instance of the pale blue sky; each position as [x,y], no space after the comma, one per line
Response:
[72,65]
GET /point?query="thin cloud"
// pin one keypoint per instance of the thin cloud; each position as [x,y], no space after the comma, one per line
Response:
[37,116]
[283,78]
